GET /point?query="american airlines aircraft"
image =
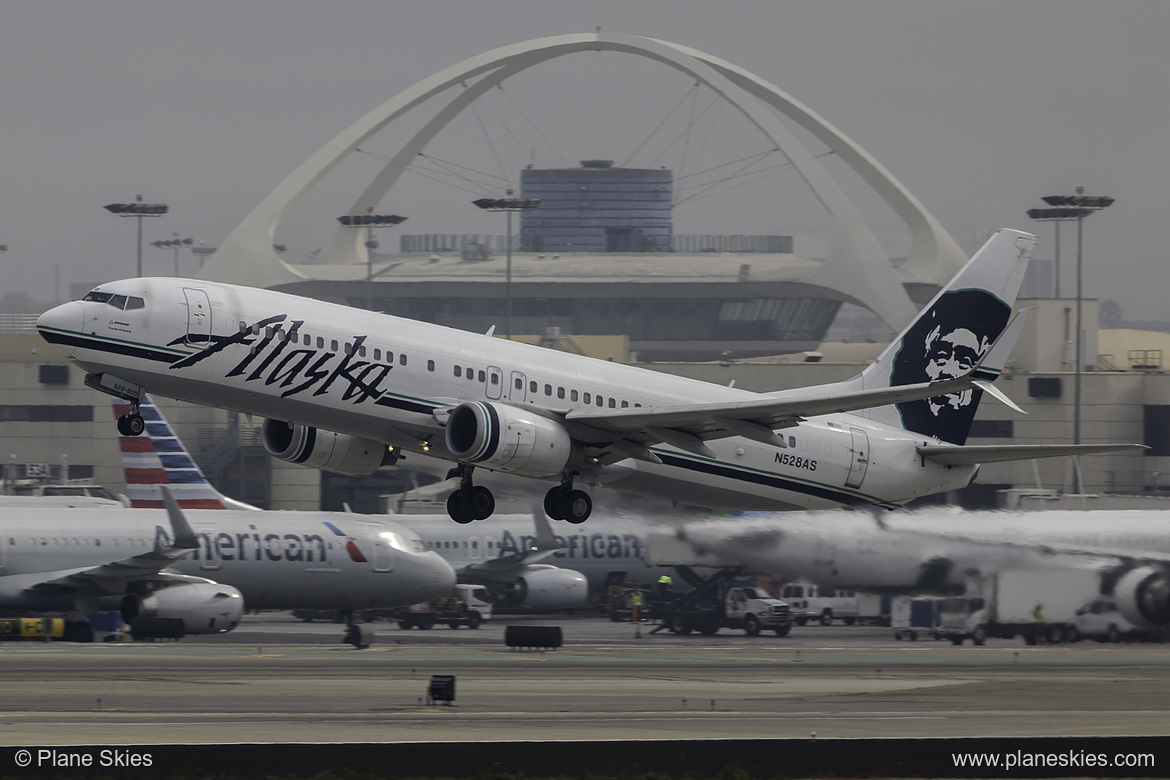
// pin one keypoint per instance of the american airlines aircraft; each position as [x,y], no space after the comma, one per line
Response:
[516,556]
[172,572]
[348,390]
[935,550]
[537,568]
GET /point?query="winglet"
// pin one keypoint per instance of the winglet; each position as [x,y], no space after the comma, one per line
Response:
[185,538]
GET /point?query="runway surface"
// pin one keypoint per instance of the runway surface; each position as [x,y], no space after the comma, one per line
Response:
[279,680]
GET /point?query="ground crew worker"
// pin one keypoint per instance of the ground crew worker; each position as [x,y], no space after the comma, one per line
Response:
[636,605]
[664,584]
[1038,623]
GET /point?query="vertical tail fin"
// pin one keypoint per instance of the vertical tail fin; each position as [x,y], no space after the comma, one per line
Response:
[950,335]
[157,457]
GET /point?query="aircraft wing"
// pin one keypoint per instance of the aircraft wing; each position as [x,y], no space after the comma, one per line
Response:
[108,577]
[504,566]
[1054,547]
[688,426]
[954,455]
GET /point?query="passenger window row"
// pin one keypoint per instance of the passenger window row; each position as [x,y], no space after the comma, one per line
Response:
[334,346]
[460,372]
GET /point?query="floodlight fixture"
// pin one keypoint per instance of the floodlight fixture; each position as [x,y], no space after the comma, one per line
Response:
[140,210]
[1070,208]
[507,205]
[371,220]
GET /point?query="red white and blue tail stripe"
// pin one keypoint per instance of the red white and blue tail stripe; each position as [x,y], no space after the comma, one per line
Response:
[157,457]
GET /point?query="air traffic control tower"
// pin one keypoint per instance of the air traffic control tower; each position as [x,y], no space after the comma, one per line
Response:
[599,257]
[597,208]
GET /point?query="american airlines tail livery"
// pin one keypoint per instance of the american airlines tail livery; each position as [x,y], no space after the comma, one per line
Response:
[349,390]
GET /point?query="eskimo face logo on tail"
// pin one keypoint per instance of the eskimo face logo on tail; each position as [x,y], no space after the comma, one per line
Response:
[945,343]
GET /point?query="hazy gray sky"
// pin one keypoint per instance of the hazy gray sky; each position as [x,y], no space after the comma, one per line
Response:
[979,108]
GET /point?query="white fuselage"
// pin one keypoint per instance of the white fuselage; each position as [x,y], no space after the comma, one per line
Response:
[604,547]
[927,550]
[278,560]
[384,378]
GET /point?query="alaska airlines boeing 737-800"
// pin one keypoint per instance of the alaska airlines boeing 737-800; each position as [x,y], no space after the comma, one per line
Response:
[347,390]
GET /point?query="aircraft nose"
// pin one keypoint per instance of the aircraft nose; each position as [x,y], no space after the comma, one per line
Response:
[442,578]
[60,325]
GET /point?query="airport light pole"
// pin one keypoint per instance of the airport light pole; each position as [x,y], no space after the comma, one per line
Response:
[1068,208]
[138,209]
[507,205]
[369,221]
[202,252]
[174,243]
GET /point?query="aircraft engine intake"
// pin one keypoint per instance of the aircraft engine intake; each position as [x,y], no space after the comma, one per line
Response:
[548,588]
[204,606]
[325,450]
[505,438]
[1143,597]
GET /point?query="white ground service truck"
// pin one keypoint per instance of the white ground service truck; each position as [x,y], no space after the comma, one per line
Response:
[715,603]
[465,605]
[1004,605]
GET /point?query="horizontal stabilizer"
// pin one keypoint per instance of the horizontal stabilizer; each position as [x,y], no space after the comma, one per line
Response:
[995,453]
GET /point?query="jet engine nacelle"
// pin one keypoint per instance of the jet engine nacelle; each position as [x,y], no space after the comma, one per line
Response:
[204,606]
[506,438]
[1143,597]
[548,588]
[325,450]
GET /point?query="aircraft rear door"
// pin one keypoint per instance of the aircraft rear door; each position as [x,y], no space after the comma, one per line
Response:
[518,389]
[495,382]
[208,552]
[198,317]
[858,458]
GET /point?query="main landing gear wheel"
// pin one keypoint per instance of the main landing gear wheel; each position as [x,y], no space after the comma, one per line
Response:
[131,424]
[470,502]
[575,506]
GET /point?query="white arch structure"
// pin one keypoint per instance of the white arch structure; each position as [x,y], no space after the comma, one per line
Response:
[855,266]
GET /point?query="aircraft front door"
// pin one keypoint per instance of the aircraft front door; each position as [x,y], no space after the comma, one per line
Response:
[383,554]
[198,317]
[859,458]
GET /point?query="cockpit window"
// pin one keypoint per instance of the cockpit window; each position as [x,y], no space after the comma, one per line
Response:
[117,301]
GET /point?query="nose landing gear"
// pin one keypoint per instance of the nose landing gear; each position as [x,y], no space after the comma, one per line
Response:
[131,423]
